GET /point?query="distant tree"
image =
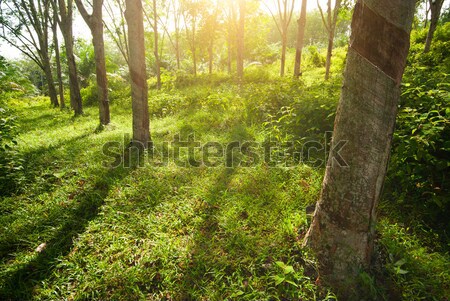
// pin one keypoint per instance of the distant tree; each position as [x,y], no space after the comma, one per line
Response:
[342,232]
[241,40]
[116,27]
[136,63]
[95,24]
[54,24]
[192,15]
[65,21]
[153,20]
[25,26]
[285,10]
[301,24]
[330,25]
[208,31]
[435,8]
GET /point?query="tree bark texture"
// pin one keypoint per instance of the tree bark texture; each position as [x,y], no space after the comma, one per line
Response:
[66,15]
[342,231]
[240,40]
[95,24]
[300,37]
[435,7]
[138,74]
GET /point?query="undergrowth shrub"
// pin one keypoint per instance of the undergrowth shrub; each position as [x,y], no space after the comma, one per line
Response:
[418,177]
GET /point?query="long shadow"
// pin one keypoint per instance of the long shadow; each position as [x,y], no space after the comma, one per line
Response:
[19,284]
[203,243]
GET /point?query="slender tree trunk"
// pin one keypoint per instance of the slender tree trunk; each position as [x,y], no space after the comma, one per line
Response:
[177,49]
[75,95]
[193,46]
[58,65]
[435,7]
[100,71]
[283,52]
[49,77]
[211,56]
[230,52]
[95,24]
[139,90]
[342,231]
[156,50]
[300,37]
[66,14]
[330,25]
[329,54]
[240,40]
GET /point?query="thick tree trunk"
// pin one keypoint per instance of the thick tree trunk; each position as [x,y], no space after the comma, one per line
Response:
[139,91]
[156,50]
[435,7]
[240,40]
[342,230]
[300,37]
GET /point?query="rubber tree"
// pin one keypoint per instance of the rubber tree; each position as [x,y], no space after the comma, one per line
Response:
[25,26]
[301,24]
[285,10]
[435,8]
[136,62]
[65,21]
[240,40]
[95,24]
[343,226]
[54,25]
[330,25]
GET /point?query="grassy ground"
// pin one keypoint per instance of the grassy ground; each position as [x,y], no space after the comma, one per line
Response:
[150,232]
[80,229]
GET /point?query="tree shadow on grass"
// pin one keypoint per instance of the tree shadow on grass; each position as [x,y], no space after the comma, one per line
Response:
[19,284]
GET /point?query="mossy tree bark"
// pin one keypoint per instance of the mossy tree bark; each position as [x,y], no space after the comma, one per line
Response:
[343,226]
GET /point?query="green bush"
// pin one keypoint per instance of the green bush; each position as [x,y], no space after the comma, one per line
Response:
[418,178]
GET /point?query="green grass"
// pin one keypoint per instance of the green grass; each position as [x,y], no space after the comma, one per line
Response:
[148,232]
[151,232]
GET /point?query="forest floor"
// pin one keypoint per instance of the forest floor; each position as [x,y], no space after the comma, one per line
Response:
[86,228]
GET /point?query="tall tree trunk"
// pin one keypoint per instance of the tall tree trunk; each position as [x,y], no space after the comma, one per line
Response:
[49,77]
[194,47]
[66,14]
[283,52]
[156,50]
[435,7]
[58,63]
[95,24]
[342,231]
[329,54]
[332,16]
[139,90]
[229,52]
[211,56]
[300,37]
[240,40]
[100,71]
